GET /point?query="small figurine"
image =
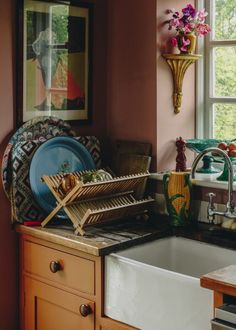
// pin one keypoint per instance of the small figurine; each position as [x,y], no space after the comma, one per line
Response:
[181,158]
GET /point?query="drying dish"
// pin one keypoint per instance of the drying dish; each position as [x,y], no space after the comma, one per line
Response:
[57,155]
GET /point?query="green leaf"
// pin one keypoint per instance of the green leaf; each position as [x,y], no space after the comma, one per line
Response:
[186,180]
[174,197]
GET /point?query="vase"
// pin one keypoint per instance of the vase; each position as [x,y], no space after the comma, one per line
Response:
[190,48]
[177,192]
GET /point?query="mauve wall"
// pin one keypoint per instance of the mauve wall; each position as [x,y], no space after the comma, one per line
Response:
[99,58]
[169,124]
[131,89]
[8,238]
[140,86]
[8,242]
[132,100]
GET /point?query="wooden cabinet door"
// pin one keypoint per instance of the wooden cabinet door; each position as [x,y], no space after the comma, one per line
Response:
[110,324]
[49,308]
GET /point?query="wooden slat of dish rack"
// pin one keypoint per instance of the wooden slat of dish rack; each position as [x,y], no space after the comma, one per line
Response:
[92,217]
[90,203]
[90,190]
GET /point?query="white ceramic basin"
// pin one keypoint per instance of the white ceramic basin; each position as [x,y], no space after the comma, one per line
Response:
[155,286]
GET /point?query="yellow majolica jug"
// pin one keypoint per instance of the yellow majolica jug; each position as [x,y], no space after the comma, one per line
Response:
[177,191]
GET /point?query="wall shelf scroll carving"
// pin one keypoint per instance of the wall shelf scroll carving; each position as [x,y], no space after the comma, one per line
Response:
[179,64]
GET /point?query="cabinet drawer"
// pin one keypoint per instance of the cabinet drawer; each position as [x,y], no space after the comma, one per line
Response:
[75,272]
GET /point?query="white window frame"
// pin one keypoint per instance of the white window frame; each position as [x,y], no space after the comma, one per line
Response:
[204,85]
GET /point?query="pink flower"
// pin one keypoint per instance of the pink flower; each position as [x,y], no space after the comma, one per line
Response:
[202,29]
[189,21]
[185,43]
[201,15]
[174,42]
[175,22]
[188,28]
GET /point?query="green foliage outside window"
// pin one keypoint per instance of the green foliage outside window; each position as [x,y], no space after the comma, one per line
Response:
[225,121]
[225,69]
[225,22]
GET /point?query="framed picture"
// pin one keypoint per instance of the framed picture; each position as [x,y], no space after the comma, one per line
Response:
[55,60]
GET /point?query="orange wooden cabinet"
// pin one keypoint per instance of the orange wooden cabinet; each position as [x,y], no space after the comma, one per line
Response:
[109,324]
[47,308]
[58,286]
[61,288]
[222,282]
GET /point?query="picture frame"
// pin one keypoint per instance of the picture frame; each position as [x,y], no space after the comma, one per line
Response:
[54,62]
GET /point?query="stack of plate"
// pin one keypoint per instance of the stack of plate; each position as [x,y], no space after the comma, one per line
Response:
[42,146]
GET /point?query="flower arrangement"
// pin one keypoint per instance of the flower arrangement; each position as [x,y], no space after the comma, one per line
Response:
[190,21]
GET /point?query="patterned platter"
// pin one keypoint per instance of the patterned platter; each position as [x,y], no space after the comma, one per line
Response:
[37,129]
[24,206]
[17,159]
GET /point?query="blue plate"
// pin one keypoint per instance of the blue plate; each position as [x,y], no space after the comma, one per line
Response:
[59,154]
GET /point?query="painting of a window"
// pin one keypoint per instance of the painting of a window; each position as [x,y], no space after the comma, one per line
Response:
[56,60]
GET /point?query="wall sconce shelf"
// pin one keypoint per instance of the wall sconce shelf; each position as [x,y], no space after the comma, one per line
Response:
[179,63]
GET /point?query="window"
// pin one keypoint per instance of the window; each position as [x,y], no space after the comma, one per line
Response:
[217,72]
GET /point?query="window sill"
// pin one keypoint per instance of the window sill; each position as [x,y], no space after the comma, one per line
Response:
[202,180]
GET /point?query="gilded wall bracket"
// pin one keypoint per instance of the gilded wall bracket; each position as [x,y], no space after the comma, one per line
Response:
[179,63]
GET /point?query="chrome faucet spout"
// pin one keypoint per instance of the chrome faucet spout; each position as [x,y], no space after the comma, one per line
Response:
[230,209]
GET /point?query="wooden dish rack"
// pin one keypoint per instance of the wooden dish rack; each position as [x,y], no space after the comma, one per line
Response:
[90,203]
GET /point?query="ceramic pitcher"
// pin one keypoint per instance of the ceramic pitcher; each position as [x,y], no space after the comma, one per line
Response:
[177,191]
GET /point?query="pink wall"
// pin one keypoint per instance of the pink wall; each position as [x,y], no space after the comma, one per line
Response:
[169,124]
[140,82]
[131,90]
[8,238]
[132,100]
[99,58]
[8,242]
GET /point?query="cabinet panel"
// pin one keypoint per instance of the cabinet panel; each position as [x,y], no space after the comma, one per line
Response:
[76,272]
[48,308]
[109,324]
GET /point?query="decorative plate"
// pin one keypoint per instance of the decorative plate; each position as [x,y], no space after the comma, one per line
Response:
[41,129]
[57,155]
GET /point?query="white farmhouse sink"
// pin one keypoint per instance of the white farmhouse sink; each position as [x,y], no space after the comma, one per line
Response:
[155,286]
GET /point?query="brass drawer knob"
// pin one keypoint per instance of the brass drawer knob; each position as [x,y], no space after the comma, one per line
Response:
[55,266]
[85,310]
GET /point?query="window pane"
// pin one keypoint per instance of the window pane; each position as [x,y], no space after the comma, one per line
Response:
[224,121]
[225,71]
[225,20]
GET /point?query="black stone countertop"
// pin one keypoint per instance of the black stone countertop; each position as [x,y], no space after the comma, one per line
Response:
[108,238]
[212,234]
[104,238]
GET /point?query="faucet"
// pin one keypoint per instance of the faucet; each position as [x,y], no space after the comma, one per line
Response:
[230,208]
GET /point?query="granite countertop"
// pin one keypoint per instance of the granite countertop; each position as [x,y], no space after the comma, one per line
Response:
[104,239]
